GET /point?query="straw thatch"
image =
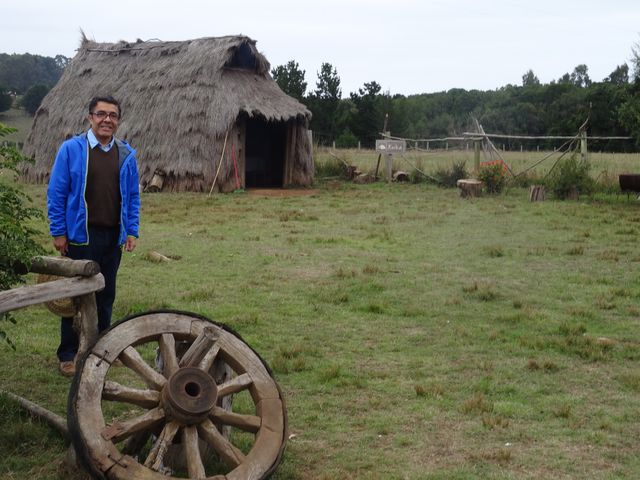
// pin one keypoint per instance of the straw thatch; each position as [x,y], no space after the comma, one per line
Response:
[179,101]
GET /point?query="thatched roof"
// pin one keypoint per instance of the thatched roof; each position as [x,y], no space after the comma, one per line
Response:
[178,99]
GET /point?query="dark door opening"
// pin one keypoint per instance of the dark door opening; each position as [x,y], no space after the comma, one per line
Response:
[264,153]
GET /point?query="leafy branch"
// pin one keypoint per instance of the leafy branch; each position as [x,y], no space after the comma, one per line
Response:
[17,236]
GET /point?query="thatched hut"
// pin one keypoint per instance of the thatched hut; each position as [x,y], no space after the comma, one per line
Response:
[183,105]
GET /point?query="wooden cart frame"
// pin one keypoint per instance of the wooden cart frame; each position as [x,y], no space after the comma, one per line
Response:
[152,395]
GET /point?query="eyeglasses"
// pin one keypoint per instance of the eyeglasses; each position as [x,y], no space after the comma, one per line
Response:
[100,115]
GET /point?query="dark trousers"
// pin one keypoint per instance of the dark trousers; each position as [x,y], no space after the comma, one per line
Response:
[103,248]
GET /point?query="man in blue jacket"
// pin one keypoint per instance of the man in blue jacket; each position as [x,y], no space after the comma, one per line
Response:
[93,202]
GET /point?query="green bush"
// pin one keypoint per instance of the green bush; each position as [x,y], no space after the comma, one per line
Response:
[347,140]
[493,176]
[332,167]
[33,98]
[570,176]
[17,238]
[447,177]
[5,99]
[525,180]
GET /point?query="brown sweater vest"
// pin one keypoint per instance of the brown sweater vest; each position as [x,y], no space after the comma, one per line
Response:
[103,188]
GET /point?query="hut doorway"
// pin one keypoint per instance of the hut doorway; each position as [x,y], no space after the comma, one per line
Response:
[264,153]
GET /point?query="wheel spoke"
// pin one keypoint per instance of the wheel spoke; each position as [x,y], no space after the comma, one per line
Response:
[116,392]
[168,351]
[247,423]
[192,452]
[118,431]
[235,385]
[132,359]
[228,452]
[156,455]
[207,361]
[199,348]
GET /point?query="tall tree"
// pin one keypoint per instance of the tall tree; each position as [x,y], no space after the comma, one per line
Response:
[290,78]
[635,61]
[580,76]
[324,103]
[530,79]
[368,118]
[620,76]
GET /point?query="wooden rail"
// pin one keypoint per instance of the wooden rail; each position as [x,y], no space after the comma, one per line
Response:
[82,278]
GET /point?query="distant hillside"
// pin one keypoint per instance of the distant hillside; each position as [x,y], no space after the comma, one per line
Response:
[19,72]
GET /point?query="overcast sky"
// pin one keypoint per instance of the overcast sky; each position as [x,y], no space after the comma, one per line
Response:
[407,46]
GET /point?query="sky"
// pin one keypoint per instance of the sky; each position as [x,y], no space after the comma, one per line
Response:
[407,46]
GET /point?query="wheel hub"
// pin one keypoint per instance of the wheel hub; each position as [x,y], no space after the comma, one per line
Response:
[189,395]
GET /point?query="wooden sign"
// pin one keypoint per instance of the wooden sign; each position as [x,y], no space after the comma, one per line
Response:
[390,146]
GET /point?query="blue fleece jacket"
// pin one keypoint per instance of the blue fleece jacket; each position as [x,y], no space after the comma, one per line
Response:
[66,204]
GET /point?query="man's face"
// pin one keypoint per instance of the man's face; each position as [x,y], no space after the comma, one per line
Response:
[102,122]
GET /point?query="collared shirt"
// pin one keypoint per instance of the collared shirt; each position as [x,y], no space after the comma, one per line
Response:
[93,141]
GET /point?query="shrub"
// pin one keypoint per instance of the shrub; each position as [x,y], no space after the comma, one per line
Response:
[525,180]
[17,237]
[347,140]
[570,177]
[447,177]
[493,176]
[33,98]
[331,167]
[5,99]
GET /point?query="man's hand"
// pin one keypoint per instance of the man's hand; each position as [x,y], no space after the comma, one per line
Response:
[61,244]
[130,244]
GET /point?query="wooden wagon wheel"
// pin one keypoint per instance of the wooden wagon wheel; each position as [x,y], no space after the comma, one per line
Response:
[135,421]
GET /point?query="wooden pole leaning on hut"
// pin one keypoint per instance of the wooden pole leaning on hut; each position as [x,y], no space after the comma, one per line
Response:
[224,146]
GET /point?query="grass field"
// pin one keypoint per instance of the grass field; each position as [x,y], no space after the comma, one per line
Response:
[18,119]
[415,335]
[605,167]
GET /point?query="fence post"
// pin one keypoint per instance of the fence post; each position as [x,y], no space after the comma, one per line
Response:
[583,145]
[476,156]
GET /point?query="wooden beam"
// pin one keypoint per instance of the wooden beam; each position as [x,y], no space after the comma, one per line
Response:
[28,295]
[65,267]
[53,419]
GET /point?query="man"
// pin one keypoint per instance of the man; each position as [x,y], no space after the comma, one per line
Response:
[93,204]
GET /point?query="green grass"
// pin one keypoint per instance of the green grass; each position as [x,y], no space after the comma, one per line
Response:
[414,334]
[18,119]
[604,166]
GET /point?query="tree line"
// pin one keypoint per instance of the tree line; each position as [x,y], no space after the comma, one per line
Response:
[558,108]
[532,108]
[29,77]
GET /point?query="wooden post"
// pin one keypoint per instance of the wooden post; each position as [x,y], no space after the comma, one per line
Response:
[86,322]
[358,144]
[427,146]
[583,145]
[476,156]
[389,167]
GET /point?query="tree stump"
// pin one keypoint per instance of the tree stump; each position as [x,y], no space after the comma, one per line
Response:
[537,193]
[469,187]
[157,182]
[400,176]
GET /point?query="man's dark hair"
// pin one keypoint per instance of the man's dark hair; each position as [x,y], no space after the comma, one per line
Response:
[106,99]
